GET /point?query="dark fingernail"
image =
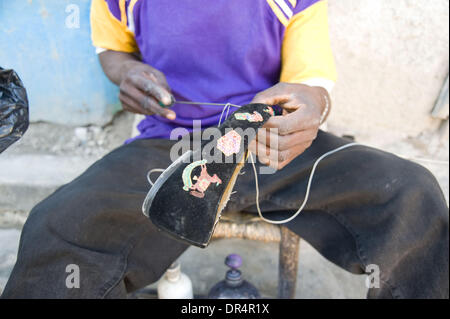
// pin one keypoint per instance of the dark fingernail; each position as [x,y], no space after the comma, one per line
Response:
[277,109]
[167,101]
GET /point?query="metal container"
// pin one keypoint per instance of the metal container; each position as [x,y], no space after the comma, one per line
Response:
[234,286]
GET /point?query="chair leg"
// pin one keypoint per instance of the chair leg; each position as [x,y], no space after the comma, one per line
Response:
[288,263]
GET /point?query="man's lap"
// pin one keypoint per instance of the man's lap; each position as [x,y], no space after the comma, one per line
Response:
[98,215]
[109,195]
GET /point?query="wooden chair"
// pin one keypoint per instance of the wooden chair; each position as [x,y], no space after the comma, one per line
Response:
[251,227]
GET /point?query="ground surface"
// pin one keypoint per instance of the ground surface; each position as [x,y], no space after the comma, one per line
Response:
[51,155]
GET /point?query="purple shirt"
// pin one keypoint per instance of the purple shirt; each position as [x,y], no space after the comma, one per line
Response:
[222,51]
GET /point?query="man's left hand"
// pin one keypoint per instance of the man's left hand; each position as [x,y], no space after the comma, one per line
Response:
[289,135]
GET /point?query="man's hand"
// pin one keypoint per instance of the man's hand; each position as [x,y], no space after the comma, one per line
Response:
[296,129]
[143,89]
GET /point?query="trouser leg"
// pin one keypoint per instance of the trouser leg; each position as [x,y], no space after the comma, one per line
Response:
[366,207]
[96,223]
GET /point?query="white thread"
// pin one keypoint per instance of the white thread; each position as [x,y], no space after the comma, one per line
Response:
[226,107]
[153,171]
[308,187]
[205,103]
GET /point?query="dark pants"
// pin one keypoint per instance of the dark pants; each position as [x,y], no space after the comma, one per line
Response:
[366,207]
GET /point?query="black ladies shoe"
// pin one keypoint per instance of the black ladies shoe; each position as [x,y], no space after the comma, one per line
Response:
[188,197]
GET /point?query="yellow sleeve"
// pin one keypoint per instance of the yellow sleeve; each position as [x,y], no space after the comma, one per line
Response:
[306,52]
[108,32]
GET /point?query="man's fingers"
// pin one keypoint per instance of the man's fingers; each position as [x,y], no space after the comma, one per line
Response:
[151,88]
[281,94]
[158,77]
[150,103]
[130,105]
[258,150]
[144,103]
[285,124]
[300,120]
[277,94]
[266,97]
[272,140]
[277,159]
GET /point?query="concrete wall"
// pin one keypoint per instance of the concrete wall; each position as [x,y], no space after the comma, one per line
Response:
[52,53]
[392,58]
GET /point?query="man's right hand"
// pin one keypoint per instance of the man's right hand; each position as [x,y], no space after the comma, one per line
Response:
[143,89]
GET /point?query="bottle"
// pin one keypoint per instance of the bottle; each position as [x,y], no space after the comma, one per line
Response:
[233,287]
[175,284]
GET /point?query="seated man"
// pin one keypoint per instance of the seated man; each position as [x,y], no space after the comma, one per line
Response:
[366,207]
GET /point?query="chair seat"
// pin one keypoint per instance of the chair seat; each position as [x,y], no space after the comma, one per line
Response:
[246,226]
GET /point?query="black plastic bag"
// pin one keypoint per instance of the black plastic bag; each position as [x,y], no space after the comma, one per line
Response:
[13,108]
